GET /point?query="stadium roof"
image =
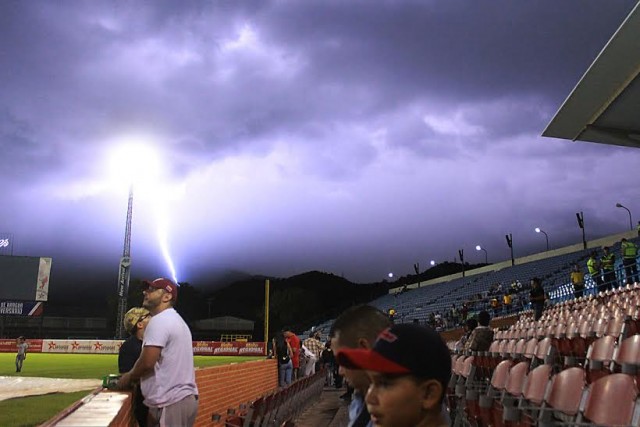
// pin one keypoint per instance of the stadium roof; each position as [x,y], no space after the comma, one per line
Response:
[604,107]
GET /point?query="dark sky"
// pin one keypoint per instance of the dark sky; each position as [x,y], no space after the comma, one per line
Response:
[351,137]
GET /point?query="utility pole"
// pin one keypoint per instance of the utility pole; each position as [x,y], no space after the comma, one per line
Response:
[124,273]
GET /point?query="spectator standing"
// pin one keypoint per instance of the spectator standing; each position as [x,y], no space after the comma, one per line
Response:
[165,366]
[329,363]
[409,368]
[593,265]
[135,321]
[315,346]
[481,336]
[608,262]
[577,280]
[629,260]
[464,311]
[295,344]
[507,299]
[537,297]
[283,353]
[22,346]
[357,328]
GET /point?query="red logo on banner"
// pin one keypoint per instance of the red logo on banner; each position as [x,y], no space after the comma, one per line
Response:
[97,346]
[52,345]
[75,345]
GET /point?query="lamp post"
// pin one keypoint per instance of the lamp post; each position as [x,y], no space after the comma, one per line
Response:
[618,205]
[486,256]
[546,236]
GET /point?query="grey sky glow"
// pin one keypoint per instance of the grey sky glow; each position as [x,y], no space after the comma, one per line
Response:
[350,137]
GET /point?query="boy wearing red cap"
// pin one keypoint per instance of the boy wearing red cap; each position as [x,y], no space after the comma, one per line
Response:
[409,366]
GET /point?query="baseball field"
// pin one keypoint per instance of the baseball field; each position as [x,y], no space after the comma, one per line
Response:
[33,410]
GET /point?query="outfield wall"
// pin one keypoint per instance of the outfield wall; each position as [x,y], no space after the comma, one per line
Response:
[220,388]
[200,348]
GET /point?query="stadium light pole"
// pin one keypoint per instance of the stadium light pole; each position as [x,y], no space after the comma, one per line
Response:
[619,205]
[546,236]
[580,218]
[486,256]
[509,238]
[132,163]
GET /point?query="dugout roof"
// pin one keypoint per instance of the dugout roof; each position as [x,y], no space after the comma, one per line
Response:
[604,107]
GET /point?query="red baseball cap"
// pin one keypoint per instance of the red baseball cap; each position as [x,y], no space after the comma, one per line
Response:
[166,284]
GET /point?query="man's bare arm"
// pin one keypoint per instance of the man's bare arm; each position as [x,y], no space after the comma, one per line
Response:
[145,363]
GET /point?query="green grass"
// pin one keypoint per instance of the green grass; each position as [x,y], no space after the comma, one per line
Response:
[83,366]
[34,410]
[29,411]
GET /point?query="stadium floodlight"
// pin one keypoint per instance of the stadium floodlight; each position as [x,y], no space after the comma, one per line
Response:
[618,205]
[486,255]
[133,162]
[432,262]
[546,236]
[390,275]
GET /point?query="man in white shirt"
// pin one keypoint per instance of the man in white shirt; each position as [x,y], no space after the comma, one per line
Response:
[165,366]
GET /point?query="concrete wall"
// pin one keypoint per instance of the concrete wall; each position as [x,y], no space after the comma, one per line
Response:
[220,387]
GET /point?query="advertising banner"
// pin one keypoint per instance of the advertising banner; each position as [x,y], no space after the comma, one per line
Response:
[81,346]
[21,308]
[9,346]
[200,348]
[42,286]
[233,348]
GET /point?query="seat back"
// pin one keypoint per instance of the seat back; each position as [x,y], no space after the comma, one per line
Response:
[500,374]
[611,400]
[536,384]
[566,390]
[515,379]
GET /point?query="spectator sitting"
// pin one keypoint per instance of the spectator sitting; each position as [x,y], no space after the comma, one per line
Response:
[469,326]
[481,337]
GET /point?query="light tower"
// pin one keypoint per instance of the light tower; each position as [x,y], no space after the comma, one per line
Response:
[125,270]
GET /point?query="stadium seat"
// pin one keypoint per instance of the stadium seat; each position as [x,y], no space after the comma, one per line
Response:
[565,395]
[533,394]
[599,358]
[627,360]
[611,401]
[506,411]
[494,391]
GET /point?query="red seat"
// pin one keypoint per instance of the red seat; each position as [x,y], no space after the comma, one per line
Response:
[628,358]
[599,358]
[611,401]
[505,409]
[533,392]
[565,395]
[498,382]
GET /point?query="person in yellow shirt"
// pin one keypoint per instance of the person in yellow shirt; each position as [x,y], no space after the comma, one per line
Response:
[629,252]
[593,265]
[577,280]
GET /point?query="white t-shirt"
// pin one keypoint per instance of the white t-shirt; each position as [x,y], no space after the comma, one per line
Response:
[173,376]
